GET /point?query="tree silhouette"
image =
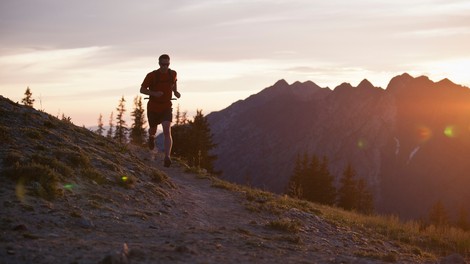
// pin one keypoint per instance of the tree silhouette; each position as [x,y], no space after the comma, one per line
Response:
[28,100]
[180,132]
[138,135]
[462,220]
[121,128]
[294,186]
[326,191]
[100,129]
[201,143]
[192,140]
[110,132]
[365,198]
[354,194]
[312,180]
[438,215]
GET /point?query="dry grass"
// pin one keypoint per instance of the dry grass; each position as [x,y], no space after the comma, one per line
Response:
[411,234]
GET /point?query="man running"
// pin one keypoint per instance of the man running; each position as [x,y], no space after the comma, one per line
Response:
[160,86]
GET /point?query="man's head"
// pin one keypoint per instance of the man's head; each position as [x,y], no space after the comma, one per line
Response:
[164,61]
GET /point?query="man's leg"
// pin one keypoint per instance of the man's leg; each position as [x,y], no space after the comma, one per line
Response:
[152,133]
[153,123]
[168,140]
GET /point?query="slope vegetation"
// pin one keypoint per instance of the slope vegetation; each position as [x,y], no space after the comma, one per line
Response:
[71,196]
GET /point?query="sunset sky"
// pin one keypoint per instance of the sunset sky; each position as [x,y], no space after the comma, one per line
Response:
[80,57]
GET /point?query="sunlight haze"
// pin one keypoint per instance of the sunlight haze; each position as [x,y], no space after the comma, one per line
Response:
[80,57]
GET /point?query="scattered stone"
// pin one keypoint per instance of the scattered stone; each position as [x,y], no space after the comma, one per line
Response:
[20,227]
[453,259]
[8,204]
[121,257]
[86,223]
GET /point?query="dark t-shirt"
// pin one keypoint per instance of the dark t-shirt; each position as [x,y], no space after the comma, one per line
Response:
[158,81]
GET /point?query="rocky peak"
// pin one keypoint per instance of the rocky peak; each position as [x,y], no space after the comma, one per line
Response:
[365,84]
[343,87]
[398,82]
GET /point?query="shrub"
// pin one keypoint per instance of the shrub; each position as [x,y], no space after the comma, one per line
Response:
[74,158]
[42,179]
[51,162]
[94,175]
[12,158]
[285,224]
[158,176]
[4,134]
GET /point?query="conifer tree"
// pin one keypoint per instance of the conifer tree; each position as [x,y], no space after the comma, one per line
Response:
[326,189]
[309,179]
[365,203]
[121,127]
[180,133]
[294,186]
[100,129]
[438,215]
[28,99]
[201,143]
[353,194]
[138,133]
[462,220]
[346,192]
[110,132]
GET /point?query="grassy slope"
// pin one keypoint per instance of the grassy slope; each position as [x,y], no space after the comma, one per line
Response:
[47,157]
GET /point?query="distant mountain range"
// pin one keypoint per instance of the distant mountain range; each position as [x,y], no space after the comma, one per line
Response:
[411,141]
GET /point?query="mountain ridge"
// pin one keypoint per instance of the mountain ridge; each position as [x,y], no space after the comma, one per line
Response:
[388,124]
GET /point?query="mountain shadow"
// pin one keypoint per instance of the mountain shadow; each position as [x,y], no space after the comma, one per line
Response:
[410,141]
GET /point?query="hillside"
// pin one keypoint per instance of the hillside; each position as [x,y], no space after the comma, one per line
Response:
[71,196]
[410,141]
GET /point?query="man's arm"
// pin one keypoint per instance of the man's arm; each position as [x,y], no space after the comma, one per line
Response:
[175,91]
[146,90]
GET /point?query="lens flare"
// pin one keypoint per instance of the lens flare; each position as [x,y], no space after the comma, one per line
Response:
[20,191]
[450,131]
[362,143]
[424,133]
[68,186]
[124,178]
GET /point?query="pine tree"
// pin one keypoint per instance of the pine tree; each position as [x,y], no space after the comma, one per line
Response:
[294,187]
[121,127]
[100,129]
[110,132]
[438,215]
[138,132]
[365,203]
[309,179]
[326,189]
[354,194]
[177,116]
[462,220]
[201,143]
[347,197]
[180,133]
[28,100]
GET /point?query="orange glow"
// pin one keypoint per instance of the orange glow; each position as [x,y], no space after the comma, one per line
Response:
[362,143]
[20,191]
[424,133]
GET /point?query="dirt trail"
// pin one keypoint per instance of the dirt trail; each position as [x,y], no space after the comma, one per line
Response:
[194,222]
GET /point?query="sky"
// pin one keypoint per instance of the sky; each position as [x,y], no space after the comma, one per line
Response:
[80,57]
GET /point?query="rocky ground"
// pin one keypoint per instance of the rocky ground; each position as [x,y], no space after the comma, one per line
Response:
[193,222]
